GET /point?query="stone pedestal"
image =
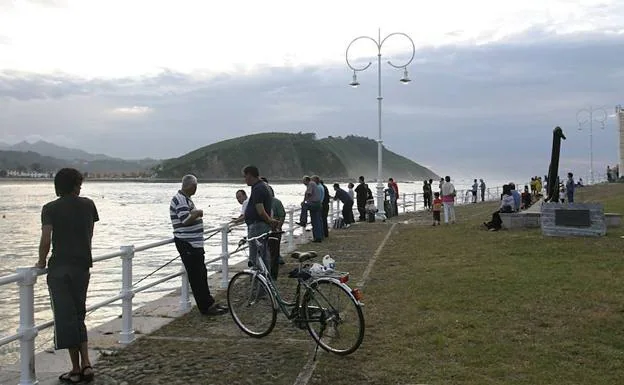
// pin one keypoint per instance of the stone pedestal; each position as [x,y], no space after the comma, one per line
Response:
[573,220]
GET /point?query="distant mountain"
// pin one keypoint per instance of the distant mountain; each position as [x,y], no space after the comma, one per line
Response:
[28,161]
[59,152]
[288,156]
[49,157]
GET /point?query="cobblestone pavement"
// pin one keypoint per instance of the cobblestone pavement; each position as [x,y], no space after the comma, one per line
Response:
[196,349]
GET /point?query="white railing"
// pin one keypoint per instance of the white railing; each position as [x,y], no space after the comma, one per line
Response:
[26,278]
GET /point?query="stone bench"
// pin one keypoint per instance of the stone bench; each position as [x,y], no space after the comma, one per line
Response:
[520,220]
[525,219]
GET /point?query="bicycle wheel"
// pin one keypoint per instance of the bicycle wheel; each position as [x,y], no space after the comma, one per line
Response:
[333,316]
[251,304]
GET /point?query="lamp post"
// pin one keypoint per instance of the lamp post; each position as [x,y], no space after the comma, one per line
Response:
[379,42]
[587,117]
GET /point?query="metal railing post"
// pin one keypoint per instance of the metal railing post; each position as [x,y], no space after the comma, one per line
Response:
[337,211]
[291,229]
[126,335]
[415,201]
[225,256]
[404,203]
[27,329]
[185,294]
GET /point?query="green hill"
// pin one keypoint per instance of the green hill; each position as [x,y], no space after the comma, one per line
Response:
[289,156]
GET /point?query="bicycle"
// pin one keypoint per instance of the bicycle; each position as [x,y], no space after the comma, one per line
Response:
[323,304]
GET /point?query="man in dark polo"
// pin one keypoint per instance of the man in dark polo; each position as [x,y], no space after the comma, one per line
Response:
[257,215]
[67,224]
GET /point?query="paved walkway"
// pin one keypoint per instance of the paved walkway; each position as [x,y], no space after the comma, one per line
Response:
[195,349]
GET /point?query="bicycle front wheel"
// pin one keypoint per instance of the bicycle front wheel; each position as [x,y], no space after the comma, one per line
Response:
[334,318]
[252,305]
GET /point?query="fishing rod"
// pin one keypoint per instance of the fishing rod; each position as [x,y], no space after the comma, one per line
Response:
[169,262]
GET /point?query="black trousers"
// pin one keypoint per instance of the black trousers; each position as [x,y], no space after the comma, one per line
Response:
[68,295]
[347,213]
[361,206]
[273,244]
[496,222]
[427,200]
[324,215]
[194,263]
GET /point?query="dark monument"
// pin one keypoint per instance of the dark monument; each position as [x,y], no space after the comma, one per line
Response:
[552,192]
[567,219]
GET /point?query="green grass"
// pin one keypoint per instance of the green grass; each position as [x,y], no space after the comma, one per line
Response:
[460,305]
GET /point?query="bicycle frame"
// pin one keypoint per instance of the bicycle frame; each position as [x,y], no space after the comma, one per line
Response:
[287,308]
[261,272]
[322,301]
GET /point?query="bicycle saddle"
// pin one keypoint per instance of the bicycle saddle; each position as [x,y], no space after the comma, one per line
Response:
[303,255]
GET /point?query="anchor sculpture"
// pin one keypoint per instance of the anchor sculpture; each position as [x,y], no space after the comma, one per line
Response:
[552,192]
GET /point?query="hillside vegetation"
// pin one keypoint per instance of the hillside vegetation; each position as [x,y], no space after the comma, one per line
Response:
[288,156]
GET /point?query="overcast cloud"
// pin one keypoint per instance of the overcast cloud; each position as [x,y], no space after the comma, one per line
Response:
[471,109]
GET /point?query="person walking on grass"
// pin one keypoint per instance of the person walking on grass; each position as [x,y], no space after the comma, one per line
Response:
[67,225]
[188,236]
[448,198]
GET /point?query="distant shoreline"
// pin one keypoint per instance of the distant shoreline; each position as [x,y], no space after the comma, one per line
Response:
[177,180]
[149,180]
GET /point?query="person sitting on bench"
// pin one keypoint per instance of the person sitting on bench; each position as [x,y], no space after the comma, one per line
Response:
[506,206]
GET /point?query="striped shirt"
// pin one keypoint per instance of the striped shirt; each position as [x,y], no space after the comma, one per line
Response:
[179,210]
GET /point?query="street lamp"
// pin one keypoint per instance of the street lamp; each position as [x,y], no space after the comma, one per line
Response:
[379,42]
[587,117]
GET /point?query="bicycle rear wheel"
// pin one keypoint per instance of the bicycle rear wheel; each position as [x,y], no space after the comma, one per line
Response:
[252,305]
[334,318]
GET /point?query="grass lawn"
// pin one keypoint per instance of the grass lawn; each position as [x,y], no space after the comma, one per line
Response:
[460,305]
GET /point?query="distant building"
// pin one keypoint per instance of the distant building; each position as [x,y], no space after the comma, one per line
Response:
[619,112]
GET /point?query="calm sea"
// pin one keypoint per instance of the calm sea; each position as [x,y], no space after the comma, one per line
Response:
[130,214]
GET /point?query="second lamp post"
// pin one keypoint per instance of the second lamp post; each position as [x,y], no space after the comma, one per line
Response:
[379,42]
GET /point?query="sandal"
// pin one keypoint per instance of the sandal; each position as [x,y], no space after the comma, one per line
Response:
[71,378]
[87,377]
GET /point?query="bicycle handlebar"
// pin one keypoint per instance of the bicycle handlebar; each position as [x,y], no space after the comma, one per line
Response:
[265,235]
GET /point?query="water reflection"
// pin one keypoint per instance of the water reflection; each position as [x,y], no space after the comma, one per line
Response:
[130,214]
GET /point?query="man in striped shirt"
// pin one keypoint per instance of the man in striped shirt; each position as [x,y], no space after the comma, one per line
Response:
[188,233]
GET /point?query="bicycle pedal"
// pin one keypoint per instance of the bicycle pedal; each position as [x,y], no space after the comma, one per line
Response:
[300,324]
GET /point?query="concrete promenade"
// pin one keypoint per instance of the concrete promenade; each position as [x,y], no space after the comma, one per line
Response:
[173,348]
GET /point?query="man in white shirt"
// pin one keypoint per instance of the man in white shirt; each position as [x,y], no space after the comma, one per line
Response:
[448,200]
[241,197]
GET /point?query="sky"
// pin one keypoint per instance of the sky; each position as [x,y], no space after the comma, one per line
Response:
[490,79]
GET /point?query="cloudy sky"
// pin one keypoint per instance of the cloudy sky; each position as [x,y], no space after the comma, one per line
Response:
[490,78]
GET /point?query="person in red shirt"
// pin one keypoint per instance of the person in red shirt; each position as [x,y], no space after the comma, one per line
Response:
[437,208]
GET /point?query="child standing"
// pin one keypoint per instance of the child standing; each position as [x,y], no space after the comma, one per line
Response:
[562,194]
[437,207]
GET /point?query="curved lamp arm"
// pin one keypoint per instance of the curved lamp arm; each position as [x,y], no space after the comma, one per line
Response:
[411,42]
[355,69]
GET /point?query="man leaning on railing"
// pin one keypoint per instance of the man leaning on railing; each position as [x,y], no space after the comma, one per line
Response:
[67,224]
[188,233]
